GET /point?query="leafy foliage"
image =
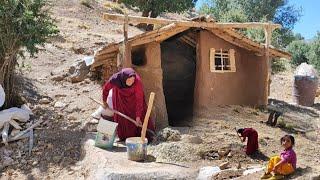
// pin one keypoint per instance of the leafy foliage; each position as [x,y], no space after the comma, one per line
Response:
[24,23]
[278,11]
[314,53]
[299,50]
[159,6]
[278,65]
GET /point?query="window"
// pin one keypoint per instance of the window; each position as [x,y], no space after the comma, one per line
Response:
[222,60]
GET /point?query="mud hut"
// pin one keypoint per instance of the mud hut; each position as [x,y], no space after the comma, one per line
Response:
[192,69]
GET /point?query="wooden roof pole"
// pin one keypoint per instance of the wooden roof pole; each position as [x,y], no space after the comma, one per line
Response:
[126,50]
[268,35]
[147,20]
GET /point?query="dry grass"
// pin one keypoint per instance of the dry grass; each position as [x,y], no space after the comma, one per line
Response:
[116,7]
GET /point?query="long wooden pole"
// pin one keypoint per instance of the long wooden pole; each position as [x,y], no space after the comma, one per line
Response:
[146,118]
[122,115]
[147,20]
[268,36]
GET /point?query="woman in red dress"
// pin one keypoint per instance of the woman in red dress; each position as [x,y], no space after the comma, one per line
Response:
[127,98]
[252,135]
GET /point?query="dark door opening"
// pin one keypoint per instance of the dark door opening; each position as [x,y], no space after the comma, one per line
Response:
[178,60]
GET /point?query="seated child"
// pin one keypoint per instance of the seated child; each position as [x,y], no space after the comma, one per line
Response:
[252,144]
[282,165]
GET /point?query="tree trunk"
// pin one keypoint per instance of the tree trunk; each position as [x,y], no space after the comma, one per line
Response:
[7,69]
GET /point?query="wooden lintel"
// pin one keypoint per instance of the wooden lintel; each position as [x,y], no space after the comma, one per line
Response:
[147,20]
[237,42]
[96,64]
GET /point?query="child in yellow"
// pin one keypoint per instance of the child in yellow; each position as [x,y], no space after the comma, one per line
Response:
[282,165]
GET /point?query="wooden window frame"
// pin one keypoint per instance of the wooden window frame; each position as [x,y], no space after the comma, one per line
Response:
[228,55]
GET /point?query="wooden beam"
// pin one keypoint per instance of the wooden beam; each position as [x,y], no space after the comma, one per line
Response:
[236,41]
[268,35]
[147,20]
[105,56]
[102,62]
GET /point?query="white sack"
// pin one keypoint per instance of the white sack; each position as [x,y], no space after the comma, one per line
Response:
[2,96]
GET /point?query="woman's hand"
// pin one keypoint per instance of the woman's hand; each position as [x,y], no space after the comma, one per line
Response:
[138,120]
[275,168]
[105,105]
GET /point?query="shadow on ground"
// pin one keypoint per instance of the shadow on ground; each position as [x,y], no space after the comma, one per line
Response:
[57,141]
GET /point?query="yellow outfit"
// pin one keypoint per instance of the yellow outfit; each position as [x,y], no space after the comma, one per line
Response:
[283,169]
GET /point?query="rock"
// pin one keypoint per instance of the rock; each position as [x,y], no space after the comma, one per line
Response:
[229,174]
[79,72]
[224,165]
[230,154]
[7,161]
[60,95]
[94,121]
[315,177]
[72,118]
[168,134]
[34,163]
[59,77]
[223,152]
[59,104]
[239,165]
[191,139]
[87,81]
[71,110]
[44,101]
[56,159]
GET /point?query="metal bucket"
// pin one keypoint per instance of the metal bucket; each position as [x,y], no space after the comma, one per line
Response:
[136,150]
[304,90]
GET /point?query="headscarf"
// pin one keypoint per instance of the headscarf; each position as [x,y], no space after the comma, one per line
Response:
[119,79]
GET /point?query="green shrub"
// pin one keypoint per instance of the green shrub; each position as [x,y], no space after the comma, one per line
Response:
[299,51]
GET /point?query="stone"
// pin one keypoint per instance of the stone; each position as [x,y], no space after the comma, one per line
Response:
[78,72]
[224,165]
[7,161]
[34,163]
[71,118]
[60,95]
[44,101]
[191,139]
[56,159]
[58,77]
[223,152]
[59,104]
[315,177]
[168,134]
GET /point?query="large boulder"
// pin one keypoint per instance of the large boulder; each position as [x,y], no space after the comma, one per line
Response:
[79,71]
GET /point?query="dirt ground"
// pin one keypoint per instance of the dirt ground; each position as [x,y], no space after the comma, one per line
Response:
[58,148]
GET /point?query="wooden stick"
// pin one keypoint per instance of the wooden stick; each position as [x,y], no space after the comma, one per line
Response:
[15,124]
[5,133]
[147,20]
[268,35]
[121,114]
[146,118]
[25,131]
[30,141]
[21,137]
